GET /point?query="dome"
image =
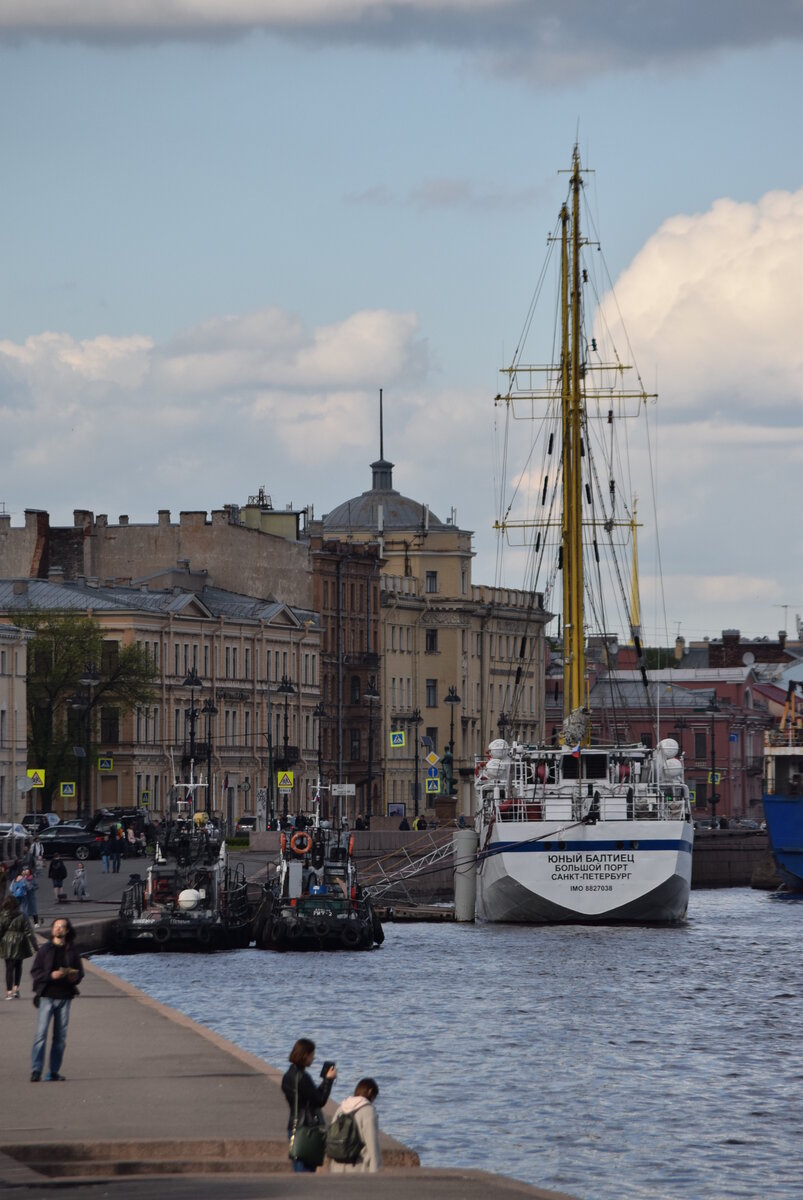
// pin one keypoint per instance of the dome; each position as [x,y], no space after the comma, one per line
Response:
[398,512]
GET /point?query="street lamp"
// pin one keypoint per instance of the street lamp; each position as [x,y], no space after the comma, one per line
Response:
[209,710]
[712,708]
[451,699]
[287,690]
[318,713]
[372,696]
[89,680]
[193,682]
[415,720]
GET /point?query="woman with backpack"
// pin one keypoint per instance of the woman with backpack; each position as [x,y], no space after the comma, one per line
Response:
[341,1141]
[17,941]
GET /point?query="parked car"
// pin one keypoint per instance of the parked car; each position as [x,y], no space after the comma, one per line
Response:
[70,842]
[34,822]
[245,825]
[13,829]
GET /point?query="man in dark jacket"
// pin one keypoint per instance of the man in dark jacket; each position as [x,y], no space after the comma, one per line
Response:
[56,973]
[57,872]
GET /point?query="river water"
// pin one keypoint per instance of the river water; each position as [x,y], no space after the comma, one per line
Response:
[614,1064]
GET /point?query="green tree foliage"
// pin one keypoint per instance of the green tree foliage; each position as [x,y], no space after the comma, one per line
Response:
[63,646]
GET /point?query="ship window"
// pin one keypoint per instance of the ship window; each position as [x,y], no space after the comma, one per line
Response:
[595,766]
[570,767]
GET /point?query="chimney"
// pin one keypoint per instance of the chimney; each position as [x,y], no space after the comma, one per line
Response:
[20,587]
[782,638]
[123,518]
[55,575]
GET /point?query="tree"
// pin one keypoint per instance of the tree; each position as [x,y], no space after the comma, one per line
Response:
[63,646]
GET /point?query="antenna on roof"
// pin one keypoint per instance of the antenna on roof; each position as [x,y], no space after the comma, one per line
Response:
[381,430]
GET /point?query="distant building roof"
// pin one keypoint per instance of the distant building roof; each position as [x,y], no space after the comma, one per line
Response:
[398,512]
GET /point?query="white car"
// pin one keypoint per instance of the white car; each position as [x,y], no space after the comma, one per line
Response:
[13,829]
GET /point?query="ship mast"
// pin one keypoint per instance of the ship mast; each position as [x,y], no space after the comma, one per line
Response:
[572,400]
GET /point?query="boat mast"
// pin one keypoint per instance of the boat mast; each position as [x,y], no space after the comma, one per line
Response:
[572,410]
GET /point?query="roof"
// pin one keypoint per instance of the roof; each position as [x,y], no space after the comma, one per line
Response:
[398,512]
[50,596]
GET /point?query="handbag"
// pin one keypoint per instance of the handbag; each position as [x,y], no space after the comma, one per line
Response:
[307,1142]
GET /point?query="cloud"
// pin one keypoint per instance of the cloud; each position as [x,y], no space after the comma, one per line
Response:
[543,40]
[714,308]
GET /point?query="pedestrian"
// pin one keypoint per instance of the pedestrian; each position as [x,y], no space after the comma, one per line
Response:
[36,855]
[305,1099]
[361,1107]
[30,905]
[56,973]
[17,942]
[117,848]
[105,854]
[404,825]
[130,841]
[57,873]
[79,884]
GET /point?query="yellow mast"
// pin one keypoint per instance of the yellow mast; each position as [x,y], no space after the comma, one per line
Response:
[572,401]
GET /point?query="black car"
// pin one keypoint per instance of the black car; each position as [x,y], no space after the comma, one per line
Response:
[70,842]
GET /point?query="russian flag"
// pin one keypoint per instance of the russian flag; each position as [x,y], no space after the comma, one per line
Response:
[576,751]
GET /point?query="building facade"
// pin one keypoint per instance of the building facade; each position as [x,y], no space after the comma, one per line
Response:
[219,659]
[13,722]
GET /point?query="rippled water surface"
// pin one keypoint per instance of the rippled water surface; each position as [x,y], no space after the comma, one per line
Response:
[608,1063]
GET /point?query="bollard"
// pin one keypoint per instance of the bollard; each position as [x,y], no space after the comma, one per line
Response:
[465,843]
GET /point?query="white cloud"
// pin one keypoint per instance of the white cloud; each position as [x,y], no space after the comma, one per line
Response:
[543,40]
[714,308]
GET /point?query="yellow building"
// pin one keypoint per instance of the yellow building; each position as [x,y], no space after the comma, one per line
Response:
[450,650]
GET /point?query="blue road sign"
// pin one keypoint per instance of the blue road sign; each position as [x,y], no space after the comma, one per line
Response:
[433,773]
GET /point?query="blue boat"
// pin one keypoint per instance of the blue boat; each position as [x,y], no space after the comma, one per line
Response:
[783,791]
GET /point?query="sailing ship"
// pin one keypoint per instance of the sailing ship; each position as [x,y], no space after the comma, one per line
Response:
[579,829]
[783,791]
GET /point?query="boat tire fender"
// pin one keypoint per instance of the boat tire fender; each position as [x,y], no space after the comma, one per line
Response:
[350,937]
[161,934]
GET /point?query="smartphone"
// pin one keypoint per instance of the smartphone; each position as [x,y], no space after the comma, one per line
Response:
[326,1068]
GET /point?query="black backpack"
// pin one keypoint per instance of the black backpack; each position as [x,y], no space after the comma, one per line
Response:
[343,1141]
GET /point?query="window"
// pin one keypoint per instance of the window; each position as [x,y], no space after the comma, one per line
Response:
[431,641]
[178,659]
[699,745]
[463,582]
[306,668]
[355,689]
[409,641]
[432,581]
[393,637]
[247,665]
[228,662]
[109,654]
[186,657]
[432,693]
[139,725]
[393,692]
[432,734]
[247,730]
[206,660]
[646,740]
[195,656]
[354,745]
[479,645]
[110,726]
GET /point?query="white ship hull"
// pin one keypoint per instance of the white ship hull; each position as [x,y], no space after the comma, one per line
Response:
[629,871]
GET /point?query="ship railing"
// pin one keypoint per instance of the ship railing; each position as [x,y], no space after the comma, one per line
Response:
[564,804]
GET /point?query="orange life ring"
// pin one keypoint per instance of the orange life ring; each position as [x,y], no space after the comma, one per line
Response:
[351,845]
[300,842]
[283,843]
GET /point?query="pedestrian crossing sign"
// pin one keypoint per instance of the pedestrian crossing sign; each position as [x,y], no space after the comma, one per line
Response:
[37,777]
[105,764]
[66,789]
[144,799]
[714,777]
[397,738]
[433,785]
[285,781]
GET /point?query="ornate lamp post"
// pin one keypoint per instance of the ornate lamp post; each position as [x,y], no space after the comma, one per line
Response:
[451,699]
[192,682]
[415,720]
[209,710]
[287,690]
[318,713]
[371,695]
[89,680]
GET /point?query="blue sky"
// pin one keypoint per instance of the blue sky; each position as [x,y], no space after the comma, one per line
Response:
[226,225]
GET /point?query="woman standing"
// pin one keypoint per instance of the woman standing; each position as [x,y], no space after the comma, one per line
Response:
[305,1099]
[30,905]
[17,942]
[361,1106]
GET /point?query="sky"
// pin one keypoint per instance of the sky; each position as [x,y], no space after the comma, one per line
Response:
[226,224]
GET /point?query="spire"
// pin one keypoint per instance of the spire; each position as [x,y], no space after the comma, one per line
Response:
[382,469]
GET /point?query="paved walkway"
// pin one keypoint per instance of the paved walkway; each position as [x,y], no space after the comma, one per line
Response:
[147,1086]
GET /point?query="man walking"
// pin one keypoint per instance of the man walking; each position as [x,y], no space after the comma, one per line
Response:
[57,873]
[56,973]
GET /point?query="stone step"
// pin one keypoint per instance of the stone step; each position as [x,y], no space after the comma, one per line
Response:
[99,1168]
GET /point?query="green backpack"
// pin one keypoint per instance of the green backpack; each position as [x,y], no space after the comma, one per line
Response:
[343,1141]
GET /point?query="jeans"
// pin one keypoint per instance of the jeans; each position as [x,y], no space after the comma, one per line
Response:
[59,1010]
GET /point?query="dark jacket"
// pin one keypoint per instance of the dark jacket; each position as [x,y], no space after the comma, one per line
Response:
[16,936]
[57,870]
[42,967]
[311,1099]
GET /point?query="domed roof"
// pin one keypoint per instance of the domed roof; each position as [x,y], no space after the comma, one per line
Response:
[398,512]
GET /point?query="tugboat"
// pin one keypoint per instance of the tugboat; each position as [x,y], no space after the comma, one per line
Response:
[314,901]
[190,897]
